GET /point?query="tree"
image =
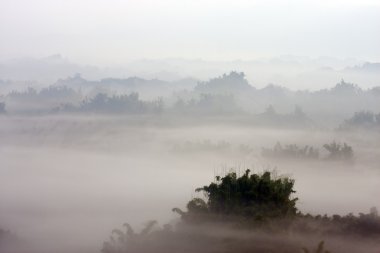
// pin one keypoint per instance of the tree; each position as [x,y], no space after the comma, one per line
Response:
[128,239]
[250,196]
[291,151]
[338,151]
[320,248]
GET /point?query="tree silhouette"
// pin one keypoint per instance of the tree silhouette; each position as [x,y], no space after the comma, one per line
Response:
[290,151]
[320,248]
[250,195]
[128,239]
[338,151]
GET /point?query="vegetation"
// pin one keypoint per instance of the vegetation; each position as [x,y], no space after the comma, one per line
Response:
[49,93]
[203,239]
[291,151]
[207,104]
[234,82]
[339,151]
[262,201]
[127,240]
[295,119]
[227,94]
[366,225]
[220,146]
[320,249]
[251,196]
[336,151]
[362,119]
[102,103]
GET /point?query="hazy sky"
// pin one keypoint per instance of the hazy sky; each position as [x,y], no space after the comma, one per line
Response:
[115,31]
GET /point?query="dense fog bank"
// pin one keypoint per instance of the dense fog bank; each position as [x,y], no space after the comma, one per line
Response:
[69,180]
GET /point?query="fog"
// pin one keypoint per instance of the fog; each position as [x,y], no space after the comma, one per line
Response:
[293,71]
[67,181]
[80,157]
[189,126]
[112,33]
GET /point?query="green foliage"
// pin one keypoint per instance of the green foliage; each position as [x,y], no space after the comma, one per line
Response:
[250,196]
[295,119]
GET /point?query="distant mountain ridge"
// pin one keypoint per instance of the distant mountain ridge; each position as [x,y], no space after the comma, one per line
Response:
[293,72]
[230,93]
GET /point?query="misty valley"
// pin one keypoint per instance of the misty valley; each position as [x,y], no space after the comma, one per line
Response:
[186,126]
[141,165]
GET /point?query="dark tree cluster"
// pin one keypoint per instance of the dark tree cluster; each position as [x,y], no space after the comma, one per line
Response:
[233,82]
[102,103]
[51,92]
[295,119]
[362,119]
[291,151]
[186,238]
[252,196]
[339,151]
[250,201]
[335,151]
[207,104]
[128,240]
[364,224]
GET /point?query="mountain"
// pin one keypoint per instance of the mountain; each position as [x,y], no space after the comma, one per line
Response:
[367,67]
[45,70]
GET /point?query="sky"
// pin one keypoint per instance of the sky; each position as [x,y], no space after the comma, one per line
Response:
[115,31]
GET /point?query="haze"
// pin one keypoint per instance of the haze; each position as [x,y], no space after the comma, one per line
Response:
[114,32]
[113,113]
